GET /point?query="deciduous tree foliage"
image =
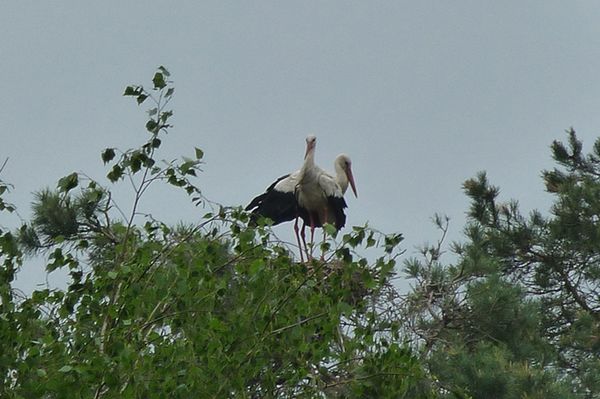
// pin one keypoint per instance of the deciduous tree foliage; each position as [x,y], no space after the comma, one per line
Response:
[210,309]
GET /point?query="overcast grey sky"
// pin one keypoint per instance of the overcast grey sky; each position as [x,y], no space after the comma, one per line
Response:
[422,95]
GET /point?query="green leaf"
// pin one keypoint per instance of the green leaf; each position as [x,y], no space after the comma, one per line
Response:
[159,80]
[115,174]
[391,241]
[176,182]
[68,183]
[199,153]
[135,161]
[152,126]
[370,241]
[165,115]
[141,98]
[131,91]
[187,168]
[164,71]
[65,369]
[112,275]
[108,155]
[255,266]
[330,229]
[148,162]
[217,325]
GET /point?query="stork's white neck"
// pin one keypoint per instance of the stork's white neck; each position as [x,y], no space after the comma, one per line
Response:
[309,162]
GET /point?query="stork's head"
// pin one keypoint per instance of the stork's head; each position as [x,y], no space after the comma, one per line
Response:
[344,165]
[311,143]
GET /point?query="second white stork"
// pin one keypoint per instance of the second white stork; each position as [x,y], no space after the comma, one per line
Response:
[320,196]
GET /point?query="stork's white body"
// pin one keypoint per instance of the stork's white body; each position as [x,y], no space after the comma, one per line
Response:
[315,190]
[321,194]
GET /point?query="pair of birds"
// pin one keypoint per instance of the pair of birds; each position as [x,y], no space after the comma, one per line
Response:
[310,194]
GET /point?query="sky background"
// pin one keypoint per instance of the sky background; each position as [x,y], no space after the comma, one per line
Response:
[421,95]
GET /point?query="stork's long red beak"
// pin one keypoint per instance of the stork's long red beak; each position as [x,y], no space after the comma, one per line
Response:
[310,145]
[351,180]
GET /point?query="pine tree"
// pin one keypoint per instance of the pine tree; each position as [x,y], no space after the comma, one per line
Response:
[519,312]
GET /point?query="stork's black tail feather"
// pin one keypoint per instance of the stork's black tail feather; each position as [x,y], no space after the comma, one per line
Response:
[337,206]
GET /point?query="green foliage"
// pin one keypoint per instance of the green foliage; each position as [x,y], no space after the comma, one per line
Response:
[488,371]
[518,315]
[4,188]
[501,312]
[192,314]
[222,309]
[142,160]
[68,183]
[214,309]
[60,217]
[10,261]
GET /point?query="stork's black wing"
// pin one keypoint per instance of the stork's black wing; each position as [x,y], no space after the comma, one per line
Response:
[278,205]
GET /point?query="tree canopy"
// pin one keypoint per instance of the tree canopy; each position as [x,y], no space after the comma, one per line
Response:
[221,308]
[517,315]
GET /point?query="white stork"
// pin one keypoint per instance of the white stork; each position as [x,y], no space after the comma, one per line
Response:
[320,196]
[343,177]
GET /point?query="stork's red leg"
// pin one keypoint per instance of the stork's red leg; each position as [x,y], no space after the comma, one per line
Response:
[298,239]
[303,235]
[324,235]
[312,233]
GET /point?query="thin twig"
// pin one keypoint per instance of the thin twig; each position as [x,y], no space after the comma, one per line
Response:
[299,323]
[3,164]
